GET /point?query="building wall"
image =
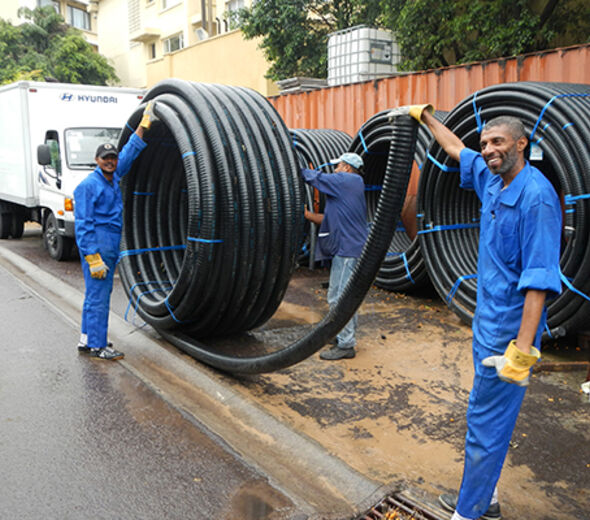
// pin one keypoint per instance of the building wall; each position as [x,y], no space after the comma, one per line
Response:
[347,107]
[226,59]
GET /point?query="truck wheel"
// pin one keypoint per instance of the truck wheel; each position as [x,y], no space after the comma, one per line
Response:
[58,246]
[5,225]
[17,227]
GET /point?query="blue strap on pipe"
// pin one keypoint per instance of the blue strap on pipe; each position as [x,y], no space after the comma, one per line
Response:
[572,210]
[363,141]
[449,169]
[548,104]
[205,240]
[572,199]
[169,307]
[406,265]
[373,187]
[569,285]
[477,113]
[141,294]
[567,125]
[145,193]
[132,129]
[186,154]
[548,331]
[453,290]
[448,227]
[322,165]
[131,252]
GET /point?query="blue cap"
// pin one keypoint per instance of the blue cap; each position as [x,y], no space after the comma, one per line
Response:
[353,159]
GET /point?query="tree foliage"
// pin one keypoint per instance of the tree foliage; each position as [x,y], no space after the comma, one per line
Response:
[45,47]
[434,33]
[294,32]
[430,33]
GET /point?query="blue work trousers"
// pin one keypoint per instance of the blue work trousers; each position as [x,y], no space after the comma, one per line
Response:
[97,297]
[491,416]
[340,272]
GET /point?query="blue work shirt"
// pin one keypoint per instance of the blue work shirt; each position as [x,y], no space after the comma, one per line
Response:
[98,202]
[519,247]
[343,231]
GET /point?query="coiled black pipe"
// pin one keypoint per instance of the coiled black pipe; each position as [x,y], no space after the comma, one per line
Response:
[314,149]
[215,152]
[556,116]
[403,268]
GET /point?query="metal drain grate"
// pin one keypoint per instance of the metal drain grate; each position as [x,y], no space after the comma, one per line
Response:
[400,506]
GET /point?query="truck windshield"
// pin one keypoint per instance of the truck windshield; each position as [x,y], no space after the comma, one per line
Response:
[81,144]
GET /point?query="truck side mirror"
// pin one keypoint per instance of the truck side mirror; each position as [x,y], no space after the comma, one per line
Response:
[43,155]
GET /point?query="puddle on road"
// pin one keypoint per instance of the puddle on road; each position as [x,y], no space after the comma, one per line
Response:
[256,500]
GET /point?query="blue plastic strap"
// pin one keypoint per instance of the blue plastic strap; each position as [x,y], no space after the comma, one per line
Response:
[131,252]
[169,307]
[569,285]
[567,125]
[141,294]
[571,199]
[127,125]
[448,227]
[373,187]
[449,169]
[363,141]
[406,265]
[547,106]
[205,240]
[145,193]
[325,164]
[186,154]
[477,113]
[548,331]
[453,290]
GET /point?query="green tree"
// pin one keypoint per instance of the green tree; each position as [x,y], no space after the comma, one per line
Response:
[294,32]
[46,47]
[433,33]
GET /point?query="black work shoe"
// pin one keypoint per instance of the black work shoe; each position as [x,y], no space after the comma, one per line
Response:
[108,353]
[337,353]
[85,349]
[449,502]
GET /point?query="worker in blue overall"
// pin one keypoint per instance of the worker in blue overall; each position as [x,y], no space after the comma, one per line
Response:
[98,210]
[342,235]
[518,269]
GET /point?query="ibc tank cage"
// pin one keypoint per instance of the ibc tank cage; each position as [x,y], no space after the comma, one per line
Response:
[361,53]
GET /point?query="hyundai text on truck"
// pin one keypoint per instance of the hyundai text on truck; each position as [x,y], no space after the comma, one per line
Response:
[49,133]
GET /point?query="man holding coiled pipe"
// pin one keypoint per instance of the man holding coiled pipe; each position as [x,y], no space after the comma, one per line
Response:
[342,235]
[518,268]
[98,213]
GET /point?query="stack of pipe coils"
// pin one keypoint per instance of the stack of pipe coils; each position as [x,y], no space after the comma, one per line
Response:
[403,268]
[557,119]
[213,222]
[314,149]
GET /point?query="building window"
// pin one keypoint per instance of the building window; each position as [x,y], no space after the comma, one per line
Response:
[78,18]
[173,43]
[45,3]
[170,3]
[152,51]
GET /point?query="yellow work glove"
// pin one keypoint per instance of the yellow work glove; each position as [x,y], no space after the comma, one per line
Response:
[98,269]
[148,116]
[514,366]
[414,111]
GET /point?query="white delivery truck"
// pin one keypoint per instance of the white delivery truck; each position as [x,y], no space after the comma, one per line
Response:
[49,133]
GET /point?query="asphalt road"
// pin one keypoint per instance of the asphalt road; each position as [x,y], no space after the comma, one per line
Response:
[82,438]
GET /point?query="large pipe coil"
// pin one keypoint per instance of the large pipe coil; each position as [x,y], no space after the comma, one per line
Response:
[214,217]
[556,117]
[314,149]
[403,268]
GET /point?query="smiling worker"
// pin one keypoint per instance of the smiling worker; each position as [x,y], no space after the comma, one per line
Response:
[98,214]
[518,268]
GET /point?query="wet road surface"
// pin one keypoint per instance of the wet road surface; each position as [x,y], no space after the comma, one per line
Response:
[82,438]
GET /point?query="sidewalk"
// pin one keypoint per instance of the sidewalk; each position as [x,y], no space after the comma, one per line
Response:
[338,436]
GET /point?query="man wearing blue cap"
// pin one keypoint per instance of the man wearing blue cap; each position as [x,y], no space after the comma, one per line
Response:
[342,235]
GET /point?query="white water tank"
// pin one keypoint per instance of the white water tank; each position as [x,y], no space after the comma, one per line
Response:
[361,53]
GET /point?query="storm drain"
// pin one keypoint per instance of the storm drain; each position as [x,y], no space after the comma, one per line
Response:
[400,506]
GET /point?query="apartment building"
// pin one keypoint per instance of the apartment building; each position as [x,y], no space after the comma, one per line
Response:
[151,40]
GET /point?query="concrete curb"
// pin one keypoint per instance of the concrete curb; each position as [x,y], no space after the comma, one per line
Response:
[321,484]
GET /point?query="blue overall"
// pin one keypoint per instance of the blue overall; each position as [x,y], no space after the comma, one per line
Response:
[342,234]
[519,248]
[98,209]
